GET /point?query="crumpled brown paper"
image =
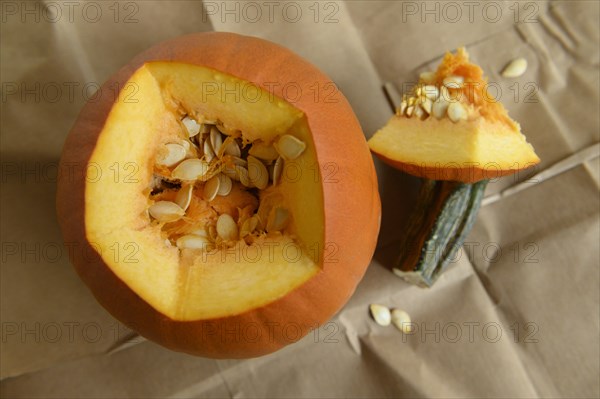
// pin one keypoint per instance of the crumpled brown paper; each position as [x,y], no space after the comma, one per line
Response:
[516,315]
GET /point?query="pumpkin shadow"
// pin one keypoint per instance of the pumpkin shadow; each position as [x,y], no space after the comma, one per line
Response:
[29,194]
[399,193]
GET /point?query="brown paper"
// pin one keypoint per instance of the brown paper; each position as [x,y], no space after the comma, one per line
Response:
[516,315]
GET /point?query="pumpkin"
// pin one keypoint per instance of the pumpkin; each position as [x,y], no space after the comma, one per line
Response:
[215,204]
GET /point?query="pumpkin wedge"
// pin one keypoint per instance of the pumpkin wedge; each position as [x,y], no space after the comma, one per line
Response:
[449,127]
[449,131]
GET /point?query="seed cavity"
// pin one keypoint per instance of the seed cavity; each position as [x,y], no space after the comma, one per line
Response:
[212,159]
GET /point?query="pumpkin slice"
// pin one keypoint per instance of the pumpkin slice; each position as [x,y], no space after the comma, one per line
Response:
[449,127]
[452,133]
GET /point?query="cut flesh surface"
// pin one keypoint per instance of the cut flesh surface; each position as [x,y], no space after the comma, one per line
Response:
[444,144]
[191,284]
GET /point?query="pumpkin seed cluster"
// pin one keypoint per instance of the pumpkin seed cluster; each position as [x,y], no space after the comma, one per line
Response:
[439,101]
[209,163]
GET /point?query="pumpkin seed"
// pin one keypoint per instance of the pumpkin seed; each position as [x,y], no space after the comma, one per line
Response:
[240,161]
[216,140]
[381,314]
[209,154]
[439,108]
[192,127]
[278,219]
[262,213]
[515,68]
[289,147]
[419,112]
[445,94]
[403,106]
[230,172]
[205,130]
[184,196]
[222,129]
[212,232]
[257,173]
[211,188]
[454,82]
[249,226]
[456,112]
[166,211]
[192,241]
[171,155]
[263,151]
[431,92]
[401,320]
[277,170]
[200,231]
[427,76]
[231,147]
[227,228]
[427,104]
[242,174]
[190,169]
[225,185]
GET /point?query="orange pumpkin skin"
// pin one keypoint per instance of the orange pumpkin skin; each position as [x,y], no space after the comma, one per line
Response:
[463,174]
[351,203]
